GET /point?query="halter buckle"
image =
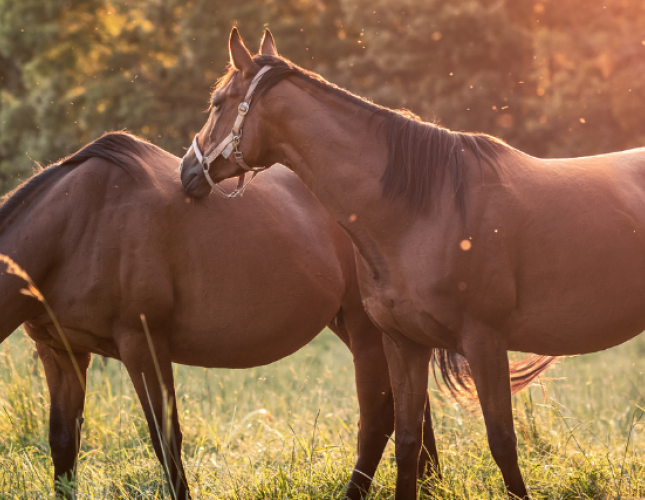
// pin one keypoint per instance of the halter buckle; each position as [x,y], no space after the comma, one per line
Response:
[243,108]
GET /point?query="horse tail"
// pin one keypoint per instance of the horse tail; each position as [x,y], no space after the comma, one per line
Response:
[457,378]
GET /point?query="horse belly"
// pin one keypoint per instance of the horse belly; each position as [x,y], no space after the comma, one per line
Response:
[255,324]
[248,344]
[584,337]
[583,313]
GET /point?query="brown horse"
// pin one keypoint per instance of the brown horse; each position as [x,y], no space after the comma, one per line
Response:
[108,234]
[463,242]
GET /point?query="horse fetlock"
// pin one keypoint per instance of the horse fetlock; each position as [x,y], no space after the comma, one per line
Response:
[62,442]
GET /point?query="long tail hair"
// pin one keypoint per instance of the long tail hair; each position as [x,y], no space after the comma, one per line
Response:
[457,378]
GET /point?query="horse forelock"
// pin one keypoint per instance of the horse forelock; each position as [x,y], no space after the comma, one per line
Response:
[124,150]
[419,153]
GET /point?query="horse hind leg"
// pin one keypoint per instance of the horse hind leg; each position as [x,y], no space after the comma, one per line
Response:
[485,350]
[67,395]
[151,375]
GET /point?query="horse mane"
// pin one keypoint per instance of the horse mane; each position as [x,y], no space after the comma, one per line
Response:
[419,153]
[120,148]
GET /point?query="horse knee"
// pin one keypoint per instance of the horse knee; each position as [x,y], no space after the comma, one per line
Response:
[373,437]
[503,447]
[407,450]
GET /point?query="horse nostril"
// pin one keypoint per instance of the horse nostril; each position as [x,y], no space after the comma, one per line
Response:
[192,176]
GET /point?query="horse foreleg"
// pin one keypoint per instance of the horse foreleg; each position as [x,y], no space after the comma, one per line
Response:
[408,367]
[67,394]
[487,356]
[154,385]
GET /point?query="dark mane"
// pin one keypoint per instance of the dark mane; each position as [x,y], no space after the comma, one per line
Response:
[419,153]
[124,150]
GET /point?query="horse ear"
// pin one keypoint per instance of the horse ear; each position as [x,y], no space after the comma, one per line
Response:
[240,55]
[267,45]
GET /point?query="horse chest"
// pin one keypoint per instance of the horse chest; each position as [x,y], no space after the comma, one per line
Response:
[392,309]
[400,316]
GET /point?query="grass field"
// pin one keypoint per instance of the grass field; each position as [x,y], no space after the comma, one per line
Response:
[287,431]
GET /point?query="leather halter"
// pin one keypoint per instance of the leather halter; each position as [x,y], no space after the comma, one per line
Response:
[230,145]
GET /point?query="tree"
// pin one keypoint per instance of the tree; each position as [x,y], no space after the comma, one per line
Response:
[553,78]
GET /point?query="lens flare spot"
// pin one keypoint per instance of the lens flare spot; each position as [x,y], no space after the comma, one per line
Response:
[462,286]
[352,218]
[505,120]
[465,245]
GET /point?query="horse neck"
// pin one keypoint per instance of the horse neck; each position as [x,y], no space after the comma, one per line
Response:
[30,238]
[339,151]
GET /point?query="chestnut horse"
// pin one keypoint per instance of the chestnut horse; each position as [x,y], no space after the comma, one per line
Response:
[108,234]
[464,242]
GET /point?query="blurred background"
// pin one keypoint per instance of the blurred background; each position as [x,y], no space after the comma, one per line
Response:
[551,77]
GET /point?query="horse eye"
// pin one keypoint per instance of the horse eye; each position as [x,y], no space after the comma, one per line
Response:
[216,106]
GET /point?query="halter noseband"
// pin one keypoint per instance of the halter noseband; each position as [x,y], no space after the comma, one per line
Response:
[230,145]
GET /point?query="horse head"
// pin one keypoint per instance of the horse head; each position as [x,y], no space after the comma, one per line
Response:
[230,140]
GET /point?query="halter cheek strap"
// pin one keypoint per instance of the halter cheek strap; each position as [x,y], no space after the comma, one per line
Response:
[230,145]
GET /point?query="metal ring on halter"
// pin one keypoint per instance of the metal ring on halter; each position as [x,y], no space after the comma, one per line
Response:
[230,145]
[241,184]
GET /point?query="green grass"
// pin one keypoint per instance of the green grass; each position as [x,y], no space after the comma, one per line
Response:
[288,431]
